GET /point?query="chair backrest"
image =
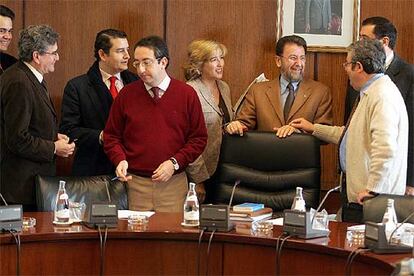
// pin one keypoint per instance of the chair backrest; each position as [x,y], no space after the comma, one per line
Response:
[269,169]
[374,208]
[83,189]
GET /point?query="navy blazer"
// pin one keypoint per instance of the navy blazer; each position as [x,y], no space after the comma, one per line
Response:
[85,108]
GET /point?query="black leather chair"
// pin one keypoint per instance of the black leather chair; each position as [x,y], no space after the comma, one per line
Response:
[80,189]
[269,169]
[374,208]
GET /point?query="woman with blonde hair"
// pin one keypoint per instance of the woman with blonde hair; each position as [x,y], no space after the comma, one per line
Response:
[204,71]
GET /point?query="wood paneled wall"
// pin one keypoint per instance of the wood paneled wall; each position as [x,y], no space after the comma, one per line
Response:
[246,27]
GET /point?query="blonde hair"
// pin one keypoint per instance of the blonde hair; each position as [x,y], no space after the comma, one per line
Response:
[198,52]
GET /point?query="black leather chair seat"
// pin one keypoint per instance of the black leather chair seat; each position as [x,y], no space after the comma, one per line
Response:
[269,169]
[374,208]
[80,189]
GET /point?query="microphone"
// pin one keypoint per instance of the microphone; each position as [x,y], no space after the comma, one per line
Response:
[2,198]
[399,226]
[107,192]
[232,192]
[299,224]
[217,217]
[11,216]
[376,239]
[323,201]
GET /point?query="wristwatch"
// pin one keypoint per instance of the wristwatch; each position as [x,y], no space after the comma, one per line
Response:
[175,163]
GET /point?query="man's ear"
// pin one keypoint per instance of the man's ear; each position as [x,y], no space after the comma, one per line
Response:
[278,61]
[164,62]
[35,57]
[386,41]
[102,54]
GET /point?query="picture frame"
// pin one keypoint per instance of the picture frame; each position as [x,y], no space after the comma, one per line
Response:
[326,25]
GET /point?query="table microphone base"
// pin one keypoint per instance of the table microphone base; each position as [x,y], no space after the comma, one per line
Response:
[298,224]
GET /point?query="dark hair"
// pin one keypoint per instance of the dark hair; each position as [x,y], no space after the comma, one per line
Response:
[36,38]
[370,53]
[157,44]
[5,11]
[280,45]
[382,28]
[103,40]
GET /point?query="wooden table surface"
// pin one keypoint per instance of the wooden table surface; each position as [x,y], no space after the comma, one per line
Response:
[164,247]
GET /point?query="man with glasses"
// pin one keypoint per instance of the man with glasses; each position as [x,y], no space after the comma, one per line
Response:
[88,98]
[399,71]
[373,146]
[154,130]
[30,140]
[271,106]
[6,29]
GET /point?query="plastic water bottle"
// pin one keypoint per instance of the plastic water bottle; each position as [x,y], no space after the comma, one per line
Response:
[389,218]
[298,202]
[191,207]
[62,204]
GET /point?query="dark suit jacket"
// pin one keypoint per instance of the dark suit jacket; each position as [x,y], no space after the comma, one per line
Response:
[28,130]
[402,74]
[6,61]
[85,109]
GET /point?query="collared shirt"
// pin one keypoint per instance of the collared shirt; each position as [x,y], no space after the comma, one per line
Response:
[163,86]
[342,146]
[388,60]
[105,78]
[283,89]
[37,74]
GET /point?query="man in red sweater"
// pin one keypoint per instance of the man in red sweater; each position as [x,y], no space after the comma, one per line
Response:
[154,130]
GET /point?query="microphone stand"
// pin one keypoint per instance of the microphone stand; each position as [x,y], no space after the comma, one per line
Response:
[323,201]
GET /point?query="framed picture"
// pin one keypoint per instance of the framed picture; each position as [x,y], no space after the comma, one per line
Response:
[326,25]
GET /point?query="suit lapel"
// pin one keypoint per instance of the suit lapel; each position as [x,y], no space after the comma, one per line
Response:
[273,95]
[39,88]
[208,97]
[302,95]
[394,68]
[99,95]
[225,93]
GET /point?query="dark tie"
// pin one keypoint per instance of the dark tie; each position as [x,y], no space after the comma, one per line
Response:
[156,91]
[289,101]
[112,87]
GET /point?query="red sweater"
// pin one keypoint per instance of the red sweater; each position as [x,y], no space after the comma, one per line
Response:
[146,133]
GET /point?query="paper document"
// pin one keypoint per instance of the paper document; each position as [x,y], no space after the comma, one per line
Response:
[124,214]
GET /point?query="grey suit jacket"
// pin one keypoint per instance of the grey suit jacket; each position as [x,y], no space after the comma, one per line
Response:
[28,130]
[206,164]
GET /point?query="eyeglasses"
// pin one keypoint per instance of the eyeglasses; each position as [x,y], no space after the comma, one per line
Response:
[345,64]
[146,63]
[4,31]
[55,53]
[295,58]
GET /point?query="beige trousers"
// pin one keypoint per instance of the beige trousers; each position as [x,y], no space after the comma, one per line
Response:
[147,195]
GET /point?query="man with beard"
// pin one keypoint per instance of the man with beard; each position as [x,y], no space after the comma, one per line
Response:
[270,106]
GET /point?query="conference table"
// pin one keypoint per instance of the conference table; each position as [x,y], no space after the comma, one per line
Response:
[164,247]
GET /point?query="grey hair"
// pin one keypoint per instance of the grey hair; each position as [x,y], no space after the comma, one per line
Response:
[36,38]
[370,53]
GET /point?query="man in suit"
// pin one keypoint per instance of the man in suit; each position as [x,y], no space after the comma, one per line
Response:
[29,137]
[373,147]
[270,106]
[400,72]
[155,129]
[6,29]
[318,16]
[87,100]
